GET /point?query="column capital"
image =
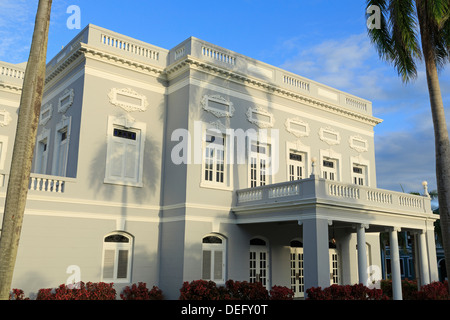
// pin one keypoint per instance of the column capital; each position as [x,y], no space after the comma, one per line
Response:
[360,226]
[398,229]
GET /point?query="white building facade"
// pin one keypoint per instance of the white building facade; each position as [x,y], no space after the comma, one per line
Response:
[163,166]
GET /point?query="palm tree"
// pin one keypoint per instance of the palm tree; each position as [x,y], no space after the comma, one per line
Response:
[411,31]
[30,104]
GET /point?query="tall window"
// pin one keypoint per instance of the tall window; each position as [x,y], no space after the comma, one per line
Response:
[329,169]
[41,156]
[124,159]
[61,147]
[214,160]
[359,174]
[117,256]
[296,165]
[62,151]
[259,164]
[213,266]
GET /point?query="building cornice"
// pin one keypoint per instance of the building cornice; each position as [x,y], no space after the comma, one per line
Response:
[190,62]
[93,52]
[14,88]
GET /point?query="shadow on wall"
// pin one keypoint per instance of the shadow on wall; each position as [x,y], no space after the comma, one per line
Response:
[150,176]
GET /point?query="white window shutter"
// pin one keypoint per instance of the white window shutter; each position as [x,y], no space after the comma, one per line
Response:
[218,260]
[117,159]
[122,264]
[206,271]
[131,161]
[108,264]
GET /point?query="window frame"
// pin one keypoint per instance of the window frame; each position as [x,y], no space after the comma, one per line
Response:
[336,158]
[63,126]
[213,248]
[226,148]
[124,123]
[38,165]
[118,246]
[365,164]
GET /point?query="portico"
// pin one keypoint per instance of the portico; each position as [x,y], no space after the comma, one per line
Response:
[348,214]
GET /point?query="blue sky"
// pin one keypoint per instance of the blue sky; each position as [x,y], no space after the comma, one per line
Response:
[323,40]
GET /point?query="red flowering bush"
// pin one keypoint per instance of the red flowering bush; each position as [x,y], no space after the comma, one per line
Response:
[409,289]
[281,293]
[434,291]
[243,290]
[17,294]
[345,292]
[80,291]
[233,290]
[202,290]
[141,292]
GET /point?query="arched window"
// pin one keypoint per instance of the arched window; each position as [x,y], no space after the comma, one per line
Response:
[213,266]
[117,256]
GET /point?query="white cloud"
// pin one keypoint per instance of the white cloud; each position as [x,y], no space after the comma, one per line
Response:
[16,28]
[405,140]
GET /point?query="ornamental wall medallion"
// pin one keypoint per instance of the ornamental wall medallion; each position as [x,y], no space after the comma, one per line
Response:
[260,117]
[218,106]
[330,136]
[297,127]
[128,99]
[359,144]
[45,114]
[65,101]
[5,118]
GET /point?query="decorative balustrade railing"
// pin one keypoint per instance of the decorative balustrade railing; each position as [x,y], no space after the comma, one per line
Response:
[47,183]
[334,192]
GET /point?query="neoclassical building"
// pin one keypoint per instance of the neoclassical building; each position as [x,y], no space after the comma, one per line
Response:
[163,166]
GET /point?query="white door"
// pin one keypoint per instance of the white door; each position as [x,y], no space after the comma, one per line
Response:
[259,266]
[297,274]
[334,267]
[297,277]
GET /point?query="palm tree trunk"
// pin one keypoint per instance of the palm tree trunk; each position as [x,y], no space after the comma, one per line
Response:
[30,105]
[442,144]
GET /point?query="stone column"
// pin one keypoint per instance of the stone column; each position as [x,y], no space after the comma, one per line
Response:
[431,251]
[423,259]
[395,264]
[316,259]
[362,253]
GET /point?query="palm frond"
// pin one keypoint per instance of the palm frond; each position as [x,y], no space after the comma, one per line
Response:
[402,18]
[396,40]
